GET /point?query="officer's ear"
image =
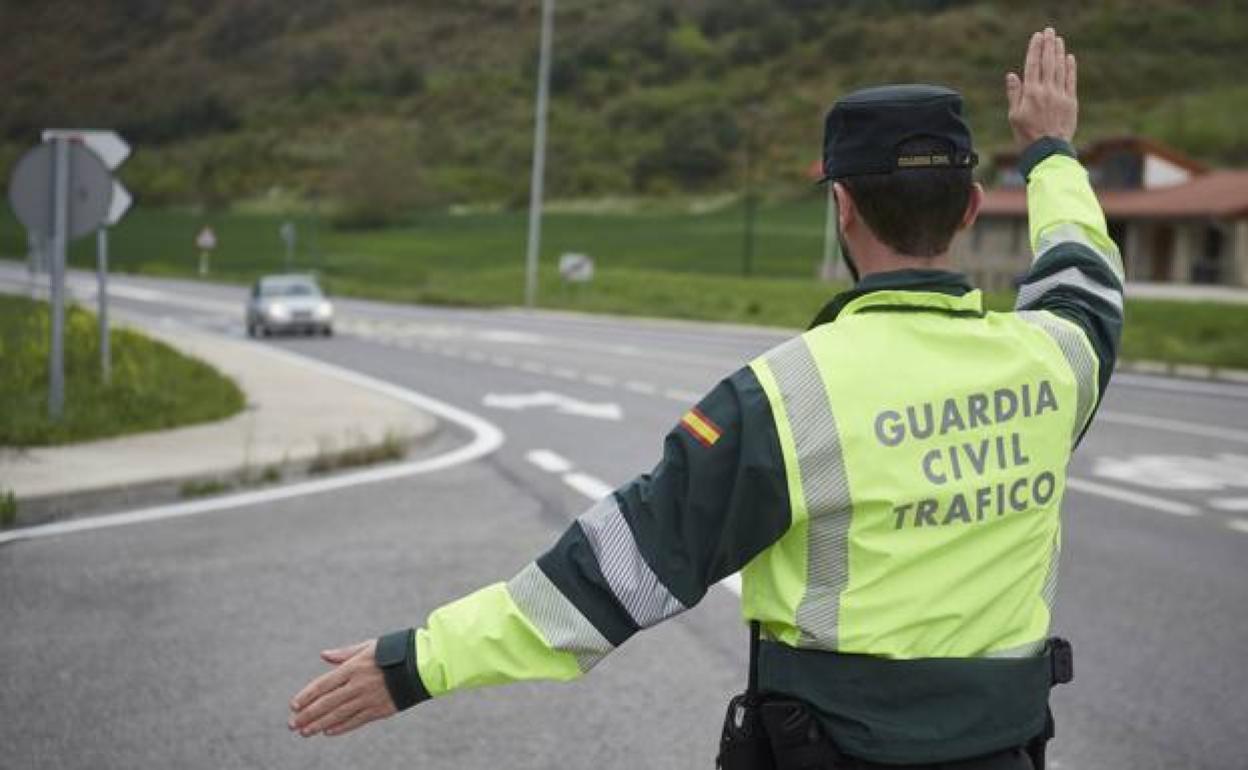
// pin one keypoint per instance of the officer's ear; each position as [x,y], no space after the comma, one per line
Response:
[973,204]
[846,211]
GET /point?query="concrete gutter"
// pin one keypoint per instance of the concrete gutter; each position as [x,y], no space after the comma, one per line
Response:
[294,414]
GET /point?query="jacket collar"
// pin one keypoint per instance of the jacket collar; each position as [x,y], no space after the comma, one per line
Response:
[936,290]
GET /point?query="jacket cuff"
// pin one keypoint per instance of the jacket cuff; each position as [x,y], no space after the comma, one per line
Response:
[396,657]
[1041,149]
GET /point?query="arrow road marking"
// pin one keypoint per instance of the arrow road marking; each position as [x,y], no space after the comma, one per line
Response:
[559,402]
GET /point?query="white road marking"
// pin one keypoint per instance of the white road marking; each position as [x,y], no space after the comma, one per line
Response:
[1181,386]
[1173,426]
[684,396]
[559,402]
[565,373]
[475,356]
[600,379]
[1177,472]
[1239,525]
[1135,498]
[504,361]
[640,387]
[1236,504]
[450,352]
[534,367]
[549,461]
[588,485]
[486,438]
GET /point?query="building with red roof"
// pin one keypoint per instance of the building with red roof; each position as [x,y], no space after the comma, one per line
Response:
[1175,219]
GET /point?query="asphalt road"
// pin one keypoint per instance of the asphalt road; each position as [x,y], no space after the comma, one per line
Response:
[177,643]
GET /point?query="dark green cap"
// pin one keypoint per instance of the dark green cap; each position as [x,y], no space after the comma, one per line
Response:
[864,130]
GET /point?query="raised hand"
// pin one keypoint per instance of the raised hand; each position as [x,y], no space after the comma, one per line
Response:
[1045,101]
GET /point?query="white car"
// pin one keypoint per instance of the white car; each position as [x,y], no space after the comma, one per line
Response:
[288,303]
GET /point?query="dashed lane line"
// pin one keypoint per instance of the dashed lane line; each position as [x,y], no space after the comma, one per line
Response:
[1153,502]
[601,380]
[549,461]
[587,485]
[486,438]
[1233,504]
[644,388]
[684,396]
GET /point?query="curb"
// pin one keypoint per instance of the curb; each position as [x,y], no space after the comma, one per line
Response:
[1186,371]
[66,506]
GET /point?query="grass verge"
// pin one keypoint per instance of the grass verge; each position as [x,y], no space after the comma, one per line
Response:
[153,386]
[650,262]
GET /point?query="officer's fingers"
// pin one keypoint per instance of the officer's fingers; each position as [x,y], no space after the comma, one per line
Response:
[1072,76]
[323,705]
[1031,67]
[360,719]
[1013,91]
[340,654]
[1059,64]
[1047,46]
[327,682]
[336,716]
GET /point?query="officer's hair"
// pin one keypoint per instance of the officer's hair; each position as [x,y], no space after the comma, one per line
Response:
[916,211]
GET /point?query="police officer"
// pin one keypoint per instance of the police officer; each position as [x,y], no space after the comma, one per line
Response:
[888,483]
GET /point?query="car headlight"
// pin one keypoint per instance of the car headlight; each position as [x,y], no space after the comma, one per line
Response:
[324,310]
[277,311]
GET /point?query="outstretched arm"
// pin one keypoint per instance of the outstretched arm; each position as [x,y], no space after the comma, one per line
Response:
[641,555]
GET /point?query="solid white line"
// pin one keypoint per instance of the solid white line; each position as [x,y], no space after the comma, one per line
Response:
[486,438]
[549,461]
[1173,426]
[1135,498]
[1237,504]
[640,387]
[588,485]
[1239,525]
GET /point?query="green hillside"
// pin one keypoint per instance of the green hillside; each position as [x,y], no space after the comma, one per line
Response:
[383,106]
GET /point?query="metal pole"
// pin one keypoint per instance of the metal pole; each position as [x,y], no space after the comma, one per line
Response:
[747,256]
[539,155]
[106,358]
[60,227]
[831,244]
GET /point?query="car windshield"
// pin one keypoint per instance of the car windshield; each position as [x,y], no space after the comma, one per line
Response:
[289,288]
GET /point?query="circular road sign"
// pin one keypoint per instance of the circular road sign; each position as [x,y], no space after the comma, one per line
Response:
[90,190]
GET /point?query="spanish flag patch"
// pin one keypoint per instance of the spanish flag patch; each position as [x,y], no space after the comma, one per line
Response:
[701,427]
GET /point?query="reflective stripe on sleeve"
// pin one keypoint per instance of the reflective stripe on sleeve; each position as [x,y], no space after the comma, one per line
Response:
[633,583]
[1070,232]
[1032,291]
[559,621]
[1078,354]
[825,487]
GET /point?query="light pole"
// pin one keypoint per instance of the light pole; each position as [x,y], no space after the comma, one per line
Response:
[539,155]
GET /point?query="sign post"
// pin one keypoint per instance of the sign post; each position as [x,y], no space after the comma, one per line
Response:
[120,205]
[288,234]
[206,241]
[110,148]
[59,190]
